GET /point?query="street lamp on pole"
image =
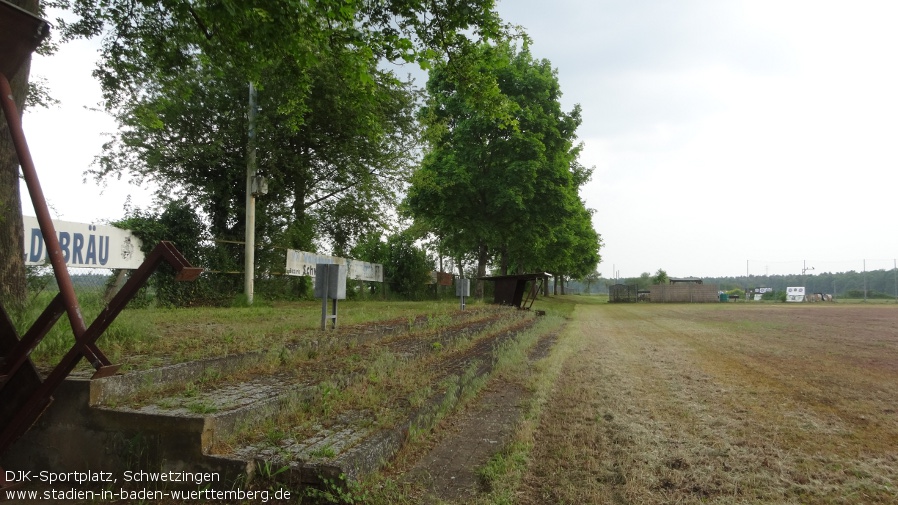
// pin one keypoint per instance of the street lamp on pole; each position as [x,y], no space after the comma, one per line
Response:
[805,269]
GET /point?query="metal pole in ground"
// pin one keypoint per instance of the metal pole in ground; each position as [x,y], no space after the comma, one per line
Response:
[324,294]
[249,247]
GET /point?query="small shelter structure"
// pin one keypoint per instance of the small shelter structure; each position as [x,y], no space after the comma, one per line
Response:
[513,289]
[623,293]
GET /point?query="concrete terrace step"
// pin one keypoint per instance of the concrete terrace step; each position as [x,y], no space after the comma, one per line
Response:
[123,388]
[229,404]
[350,447]
[181,430]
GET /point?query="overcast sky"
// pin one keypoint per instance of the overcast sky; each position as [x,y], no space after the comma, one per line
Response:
[727,137]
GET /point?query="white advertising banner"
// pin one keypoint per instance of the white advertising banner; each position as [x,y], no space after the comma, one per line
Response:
[795,294]
[302,264]
[84,245]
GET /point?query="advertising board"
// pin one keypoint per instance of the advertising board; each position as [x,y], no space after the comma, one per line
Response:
[302,264]
[84,245]
[795,294]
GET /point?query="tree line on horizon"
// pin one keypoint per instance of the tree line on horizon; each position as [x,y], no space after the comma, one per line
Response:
[882,283]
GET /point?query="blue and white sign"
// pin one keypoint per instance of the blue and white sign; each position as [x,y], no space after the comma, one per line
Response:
[302,264]
[84,245]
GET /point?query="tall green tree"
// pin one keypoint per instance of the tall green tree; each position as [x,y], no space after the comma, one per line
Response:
[12,266]
[149,45]
[573,251]
[333,126]
[591,278]
[503,185]
[144,41]
[333,169]
[407,266]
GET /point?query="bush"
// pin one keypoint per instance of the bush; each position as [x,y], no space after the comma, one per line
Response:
[177,223]
[406,266]
[772,296]
[736,293]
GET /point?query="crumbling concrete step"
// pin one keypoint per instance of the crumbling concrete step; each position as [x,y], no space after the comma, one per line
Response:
[119,389]
[350,447]
[227,407]
[178,435]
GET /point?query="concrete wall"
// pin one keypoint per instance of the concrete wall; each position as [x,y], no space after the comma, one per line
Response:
[71,436]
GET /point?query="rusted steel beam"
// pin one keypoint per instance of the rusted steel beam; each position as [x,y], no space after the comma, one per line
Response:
[32,337]
[26,396]
[18,387]
[54,251]
[40,398]
[20,352]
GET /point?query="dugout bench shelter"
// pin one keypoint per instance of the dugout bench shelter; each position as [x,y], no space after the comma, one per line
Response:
[514,290]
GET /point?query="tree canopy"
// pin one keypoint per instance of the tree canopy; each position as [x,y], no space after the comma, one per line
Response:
[337,134]
[332,171]
[505,185]
[150,42]
[174,74]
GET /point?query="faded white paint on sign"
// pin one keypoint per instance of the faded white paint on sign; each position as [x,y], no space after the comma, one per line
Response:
[84,245]
[301,263]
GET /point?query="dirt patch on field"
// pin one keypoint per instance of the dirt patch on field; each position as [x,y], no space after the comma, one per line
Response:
[448,471]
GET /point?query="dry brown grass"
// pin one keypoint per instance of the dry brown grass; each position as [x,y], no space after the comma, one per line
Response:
[732,403]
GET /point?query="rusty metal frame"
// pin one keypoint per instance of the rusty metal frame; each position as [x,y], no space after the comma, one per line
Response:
[24,394]
[39,399]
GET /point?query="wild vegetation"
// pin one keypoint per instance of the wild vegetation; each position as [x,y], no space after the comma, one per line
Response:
[504,187]
[151,336]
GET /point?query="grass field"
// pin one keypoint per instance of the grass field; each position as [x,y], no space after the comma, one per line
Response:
[640,403]
[717,403]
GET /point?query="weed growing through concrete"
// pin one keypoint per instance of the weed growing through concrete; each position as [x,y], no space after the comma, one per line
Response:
[326,451]
[139,336]
[202,407]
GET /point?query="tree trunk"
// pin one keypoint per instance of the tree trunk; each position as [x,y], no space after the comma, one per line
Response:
[505,259]
[12,261]
[481,270]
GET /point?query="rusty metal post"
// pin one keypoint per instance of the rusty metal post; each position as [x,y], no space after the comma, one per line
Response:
[54,250]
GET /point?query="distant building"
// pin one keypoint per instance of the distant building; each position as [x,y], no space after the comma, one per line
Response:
[684,290]
[686,280]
